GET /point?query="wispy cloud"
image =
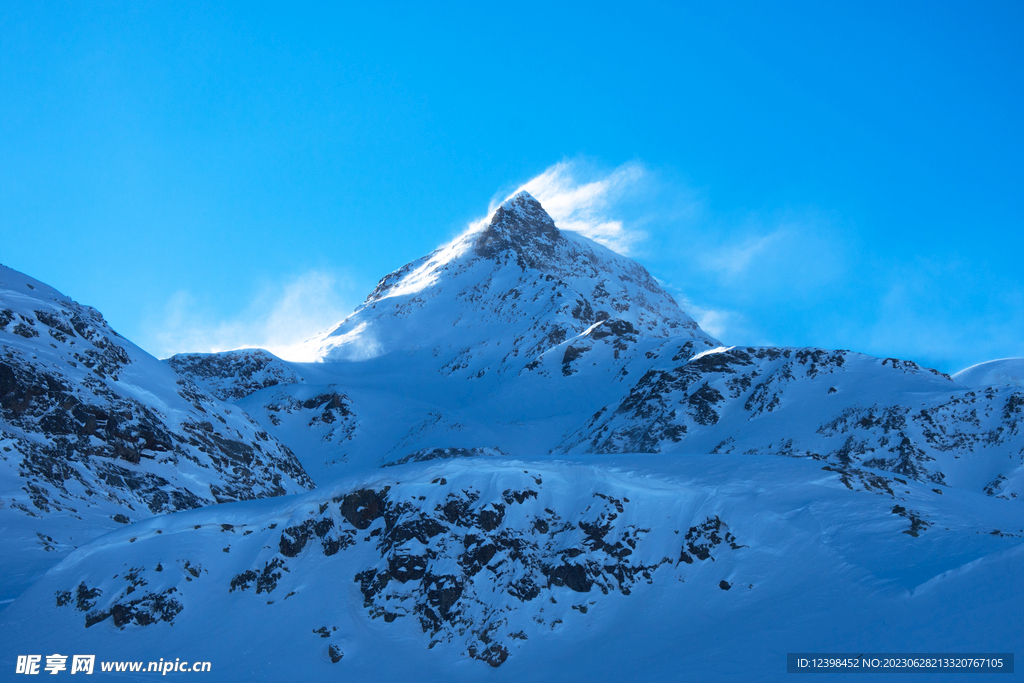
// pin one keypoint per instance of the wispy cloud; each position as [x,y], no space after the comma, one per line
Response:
[714,322]
[918,315]
[278,318]
[733,260]
[624,207]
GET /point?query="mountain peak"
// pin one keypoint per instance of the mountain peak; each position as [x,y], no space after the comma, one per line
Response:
[519,199]
[516,281]
[520,225]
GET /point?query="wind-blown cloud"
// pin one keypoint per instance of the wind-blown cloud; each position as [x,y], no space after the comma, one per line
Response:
[584,200]
[621,207]
[732,260]
[278,318]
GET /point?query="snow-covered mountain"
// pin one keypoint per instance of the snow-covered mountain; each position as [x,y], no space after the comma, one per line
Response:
[95,433]
[232,375]
[523,339]
[531,464]
[504,340]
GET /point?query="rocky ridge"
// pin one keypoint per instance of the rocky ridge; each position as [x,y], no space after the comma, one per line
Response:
[846,407]
[232,375]
[94,432]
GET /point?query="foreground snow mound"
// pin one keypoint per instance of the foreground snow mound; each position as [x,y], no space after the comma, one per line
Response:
[94,432]
[993,373]
[448,569]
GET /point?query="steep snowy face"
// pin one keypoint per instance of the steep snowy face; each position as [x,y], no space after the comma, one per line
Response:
[95,432]
[502,295]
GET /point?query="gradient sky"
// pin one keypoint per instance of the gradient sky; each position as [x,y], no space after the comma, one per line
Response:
[212,175]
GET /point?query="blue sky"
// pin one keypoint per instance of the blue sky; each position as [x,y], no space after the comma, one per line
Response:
[212,175]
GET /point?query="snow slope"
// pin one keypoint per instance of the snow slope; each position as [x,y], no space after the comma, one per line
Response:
[624,567]
[94,433]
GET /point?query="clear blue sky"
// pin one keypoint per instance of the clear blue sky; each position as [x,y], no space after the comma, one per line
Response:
[831,174]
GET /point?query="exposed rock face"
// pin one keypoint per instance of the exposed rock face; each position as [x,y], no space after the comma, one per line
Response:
[326,408]
[476,568]
[95,430]
[232,375]
[443,453]
[500,565]
[462,565]
[521,227]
